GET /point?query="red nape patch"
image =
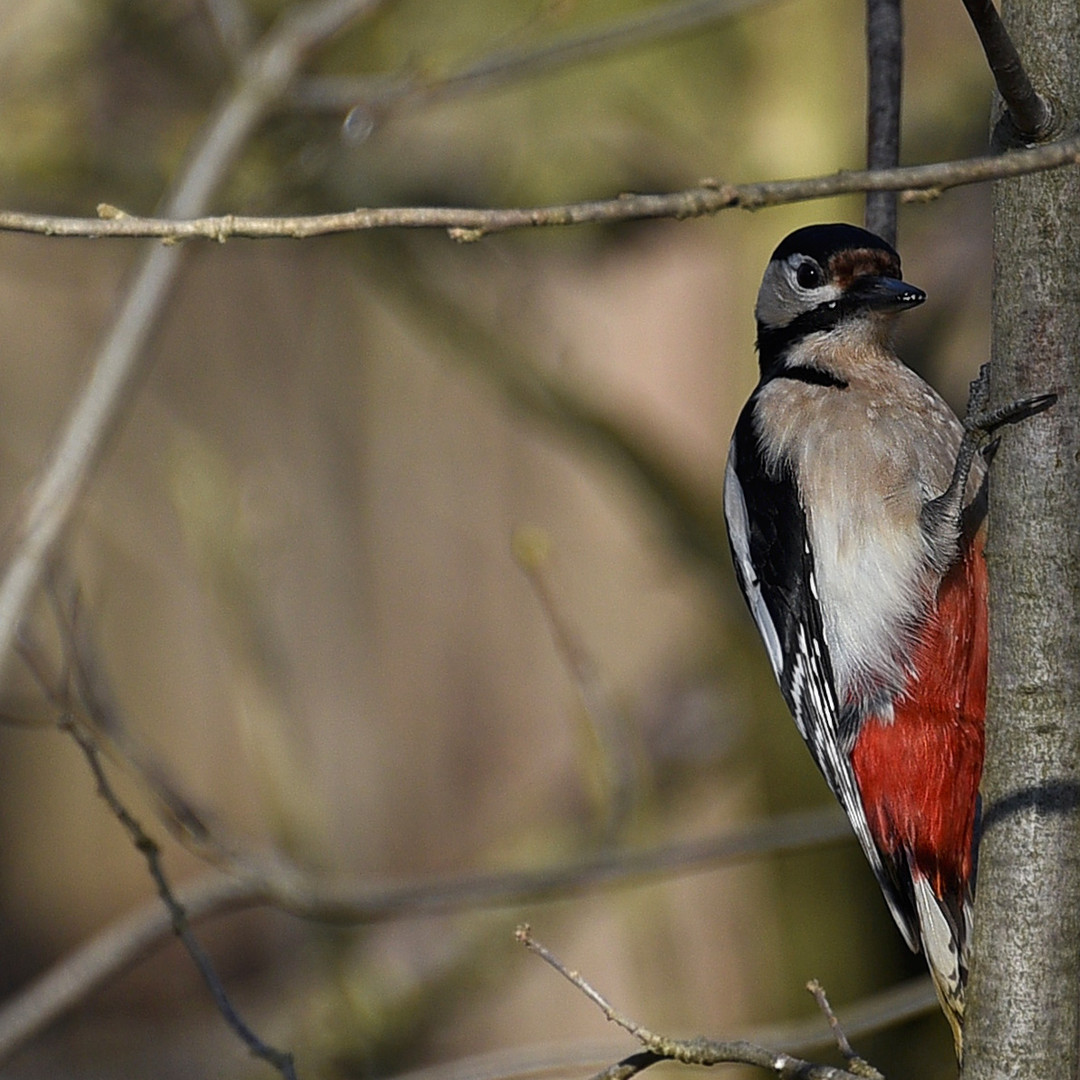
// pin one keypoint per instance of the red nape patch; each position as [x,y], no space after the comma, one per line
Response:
[846,266]
[919,775]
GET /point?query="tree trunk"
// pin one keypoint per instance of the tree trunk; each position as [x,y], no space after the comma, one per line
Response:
[1024,995]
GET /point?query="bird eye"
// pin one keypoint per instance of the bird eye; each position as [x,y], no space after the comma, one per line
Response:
[809,276]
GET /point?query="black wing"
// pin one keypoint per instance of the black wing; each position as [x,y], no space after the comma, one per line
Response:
[770,546]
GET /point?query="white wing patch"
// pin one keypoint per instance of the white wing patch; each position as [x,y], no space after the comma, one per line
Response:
[738,524]
[802,664]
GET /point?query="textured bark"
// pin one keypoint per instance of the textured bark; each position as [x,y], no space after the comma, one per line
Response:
[1024,996]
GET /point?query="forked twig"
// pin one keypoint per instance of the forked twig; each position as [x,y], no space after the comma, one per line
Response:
[60,691]
[856,1064]
[281,1060]
[687,1051]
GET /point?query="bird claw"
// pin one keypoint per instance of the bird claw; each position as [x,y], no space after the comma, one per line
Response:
[943,517]
[980,423]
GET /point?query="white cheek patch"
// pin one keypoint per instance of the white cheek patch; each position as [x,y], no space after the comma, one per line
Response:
[781,298]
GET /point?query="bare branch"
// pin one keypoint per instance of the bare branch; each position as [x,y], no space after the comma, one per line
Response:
[177,914]
[369,101]
[258,884]
[102,957]
[896,1005]
[266,75]
[350,903]
[60,689]
[273,881]
[914,182]
[1031,114]
[885,69]
[688,1051]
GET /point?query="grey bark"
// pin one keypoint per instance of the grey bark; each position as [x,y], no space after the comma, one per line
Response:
[1024,995]
[885,68]
[1029,112]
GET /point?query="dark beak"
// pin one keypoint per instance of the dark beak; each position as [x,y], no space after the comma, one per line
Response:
[885,293]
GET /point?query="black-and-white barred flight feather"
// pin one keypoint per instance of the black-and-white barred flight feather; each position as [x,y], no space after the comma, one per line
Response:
[775,568]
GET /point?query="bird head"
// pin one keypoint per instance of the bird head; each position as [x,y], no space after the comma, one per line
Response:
[825,278]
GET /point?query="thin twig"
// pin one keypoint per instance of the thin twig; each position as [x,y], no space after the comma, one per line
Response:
[821,998]
[608,726]
[121,359]
[687,1051]
[885,68]
[60,689]
[102,957]
[858,1065]
[1031,115]
[257,884]
[878,1012]
[370,101]
[467,223]
[351,903]
[178,917]
[177,810]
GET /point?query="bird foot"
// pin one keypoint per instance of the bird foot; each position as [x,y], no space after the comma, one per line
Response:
[981,423]
[943,518]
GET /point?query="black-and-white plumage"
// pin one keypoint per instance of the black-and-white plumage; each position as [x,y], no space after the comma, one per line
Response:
[774,564]
[854,500]
[833,463]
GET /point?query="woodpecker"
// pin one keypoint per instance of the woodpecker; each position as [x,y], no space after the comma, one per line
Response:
[855,502]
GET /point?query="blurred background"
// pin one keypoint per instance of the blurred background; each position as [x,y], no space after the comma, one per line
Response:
[298,559]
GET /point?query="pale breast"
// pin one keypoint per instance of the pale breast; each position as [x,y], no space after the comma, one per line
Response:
[867,458]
